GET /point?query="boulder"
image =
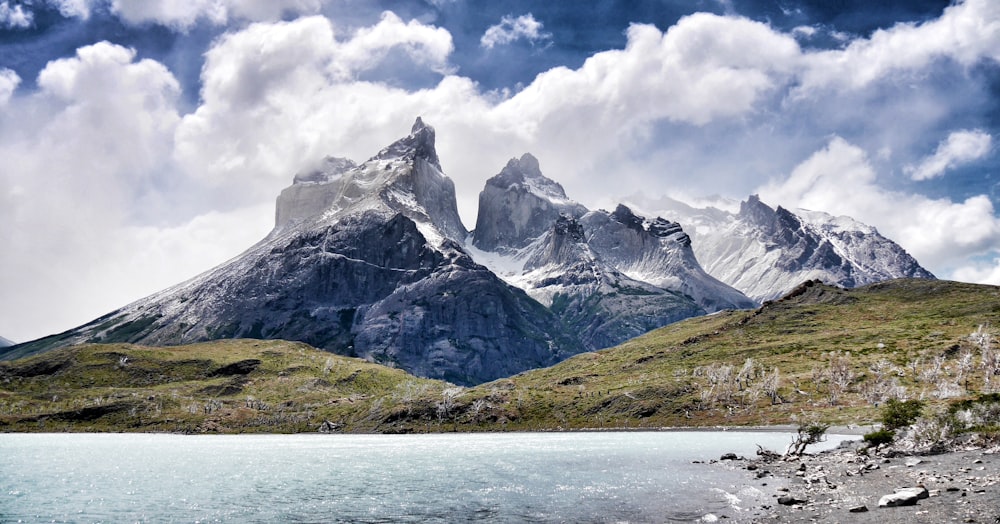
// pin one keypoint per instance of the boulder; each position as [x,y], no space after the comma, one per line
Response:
[788,500]
[903,497]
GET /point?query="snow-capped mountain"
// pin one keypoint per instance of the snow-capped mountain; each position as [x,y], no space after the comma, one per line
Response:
[609,276]
[766,252]
[372,260]
[5,343]
[364,260]
[598,302]
[521,211]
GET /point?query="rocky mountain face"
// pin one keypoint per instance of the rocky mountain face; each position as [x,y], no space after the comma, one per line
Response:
[518,205]
[609,276]
[364,260]
[372,260]
[766,252]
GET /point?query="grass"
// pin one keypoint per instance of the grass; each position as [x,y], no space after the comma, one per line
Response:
[280,387]
[890,335]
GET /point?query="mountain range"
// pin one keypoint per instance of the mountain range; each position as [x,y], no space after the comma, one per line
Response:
[372,260]
[766,252]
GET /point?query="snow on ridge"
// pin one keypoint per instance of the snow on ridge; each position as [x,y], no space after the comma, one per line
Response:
[841,223]
[547,189]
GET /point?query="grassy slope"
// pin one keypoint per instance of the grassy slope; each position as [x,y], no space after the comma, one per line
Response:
[124,387]
[663,378]
[658,379]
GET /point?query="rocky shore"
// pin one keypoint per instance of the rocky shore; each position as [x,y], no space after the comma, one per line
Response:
[845,485]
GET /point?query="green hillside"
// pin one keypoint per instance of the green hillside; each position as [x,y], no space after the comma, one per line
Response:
[820,353]
[222,386]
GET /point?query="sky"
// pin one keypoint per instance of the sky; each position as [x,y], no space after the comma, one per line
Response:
[145,141]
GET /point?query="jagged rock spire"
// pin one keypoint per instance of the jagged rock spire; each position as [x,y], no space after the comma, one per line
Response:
[419,144]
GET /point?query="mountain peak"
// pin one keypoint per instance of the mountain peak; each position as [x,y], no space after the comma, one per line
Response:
[623,214]
[527,165]
[519,204]
[419,144]
[526,173]
[419,125]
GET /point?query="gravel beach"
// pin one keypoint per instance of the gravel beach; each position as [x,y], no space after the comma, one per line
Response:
[843,485]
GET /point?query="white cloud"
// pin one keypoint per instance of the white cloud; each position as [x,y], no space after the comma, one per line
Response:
[961,147]
[81,158]
[979,273]
[219,12]
[8,83]
[839,179]
[425,45]
[730,96]
[279,96]
[805,31]
[512,29]
[74,8]
[966,32]
[15,17]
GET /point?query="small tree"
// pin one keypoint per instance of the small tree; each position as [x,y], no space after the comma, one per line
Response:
[898,414]
[770,385]
[808,433]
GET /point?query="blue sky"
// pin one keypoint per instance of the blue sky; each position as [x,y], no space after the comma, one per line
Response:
[144,141]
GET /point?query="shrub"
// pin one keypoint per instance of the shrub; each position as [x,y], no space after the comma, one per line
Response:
[898,414]
[809,433]
[879,438]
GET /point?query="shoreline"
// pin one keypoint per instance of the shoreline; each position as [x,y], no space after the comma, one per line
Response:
[844,486]
[849,430]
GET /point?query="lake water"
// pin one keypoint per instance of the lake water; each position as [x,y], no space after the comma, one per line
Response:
[511,477]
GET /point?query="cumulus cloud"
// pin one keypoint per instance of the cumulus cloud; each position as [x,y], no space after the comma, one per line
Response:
[731,93]
[278,96]
[425,45]
[959,148]
[840,179]
[966,33]
[74,8]
[15,17]
[219,12]
[512,29]
[80,158]
[8,83]
[987,272]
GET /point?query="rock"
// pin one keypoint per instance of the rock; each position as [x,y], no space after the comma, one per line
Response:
[859,509]
[330,427]
[728,456]
[751,467]
[913,462]
[903,497]
[788,500]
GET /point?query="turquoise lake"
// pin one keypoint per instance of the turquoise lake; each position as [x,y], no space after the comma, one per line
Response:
[509,477]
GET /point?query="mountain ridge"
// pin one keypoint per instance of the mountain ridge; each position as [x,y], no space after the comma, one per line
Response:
[766,252]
